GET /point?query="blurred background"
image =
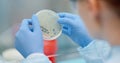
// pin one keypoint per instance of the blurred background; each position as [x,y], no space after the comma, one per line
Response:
[12,12]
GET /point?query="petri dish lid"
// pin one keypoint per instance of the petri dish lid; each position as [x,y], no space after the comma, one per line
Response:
[48,23]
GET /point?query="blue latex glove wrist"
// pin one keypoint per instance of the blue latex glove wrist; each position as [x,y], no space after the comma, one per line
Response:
[74,27]
[29,41]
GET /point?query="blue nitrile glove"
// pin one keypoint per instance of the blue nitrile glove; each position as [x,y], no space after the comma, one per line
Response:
[74,27]
[29,41]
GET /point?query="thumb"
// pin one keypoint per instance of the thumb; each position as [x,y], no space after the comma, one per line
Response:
[65,21]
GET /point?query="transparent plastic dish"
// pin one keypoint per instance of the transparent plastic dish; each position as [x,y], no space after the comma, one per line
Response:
[48,23]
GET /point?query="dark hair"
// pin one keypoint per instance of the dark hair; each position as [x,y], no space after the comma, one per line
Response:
[114,4]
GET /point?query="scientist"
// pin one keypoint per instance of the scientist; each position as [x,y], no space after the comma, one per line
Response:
[102,20]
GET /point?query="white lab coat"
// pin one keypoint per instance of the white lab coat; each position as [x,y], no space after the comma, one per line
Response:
[36,58]
[98,51]
[115,57]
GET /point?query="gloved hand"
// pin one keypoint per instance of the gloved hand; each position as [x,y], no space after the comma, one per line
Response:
[29,41]
[74,27]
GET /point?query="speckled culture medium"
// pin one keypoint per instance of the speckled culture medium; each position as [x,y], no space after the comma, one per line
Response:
[49,25]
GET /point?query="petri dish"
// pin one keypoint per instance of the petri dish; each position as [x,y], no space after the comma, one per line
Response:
[48,23]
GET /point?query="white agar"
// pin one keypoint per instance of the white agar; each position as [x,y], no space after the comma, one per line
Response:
[12,55]
[48,23]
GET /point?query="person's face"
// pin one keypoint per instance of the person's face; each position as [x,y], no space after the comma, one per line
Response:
[86,14]
[101,22]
